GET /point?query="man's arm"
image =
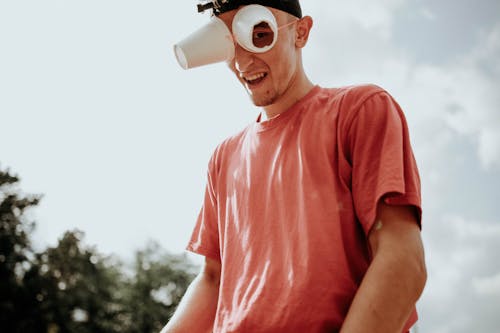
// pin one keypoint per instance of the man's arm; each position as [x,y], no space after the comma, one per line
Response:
[196,311]
[396,276]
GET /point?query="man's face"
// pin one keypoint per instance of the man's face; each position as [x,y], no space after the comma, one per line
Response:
[266,76]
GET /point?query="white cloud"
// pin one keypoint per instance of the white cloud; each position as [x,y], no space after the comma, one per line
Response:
[489,147]
[488,286]
[428,13]
[464,95]
[464,277]
[365,13]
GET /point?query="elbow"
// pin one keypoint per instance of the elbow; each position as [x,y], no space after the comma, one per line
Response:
[417,276]
[422,276]
[409,270]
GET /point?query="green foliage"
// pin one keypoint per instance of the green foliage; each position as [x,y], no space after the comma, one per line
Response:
[16,254]
[81,293]
[156,288]
[72,287]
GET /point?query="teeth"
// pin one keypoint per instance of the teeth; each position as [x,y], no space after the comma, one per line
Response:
[255,77]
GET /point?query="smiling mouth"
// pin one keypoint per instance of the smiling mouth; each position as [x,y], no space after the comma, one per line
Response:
[255,79]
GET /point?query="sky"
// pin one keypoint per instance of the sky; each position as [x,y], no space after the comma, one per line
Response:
[96,115]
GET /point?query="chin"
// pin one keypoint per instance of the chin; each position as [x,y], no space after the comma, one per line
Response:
[262,101]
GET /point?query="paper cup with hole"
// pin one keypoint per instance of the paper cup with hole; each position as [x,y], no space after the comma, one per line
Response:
[247,20]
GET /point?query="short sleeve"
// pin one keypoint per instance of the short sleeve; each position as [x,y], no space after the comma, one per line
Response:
[205,237]
[383,164]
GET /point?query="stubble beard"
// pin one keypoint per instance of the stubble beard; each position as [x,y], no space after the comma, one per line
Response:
[264,99]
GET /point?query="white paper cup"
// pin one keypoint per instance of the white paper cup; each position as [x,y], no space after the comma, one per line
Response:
[210,44]
[244,22]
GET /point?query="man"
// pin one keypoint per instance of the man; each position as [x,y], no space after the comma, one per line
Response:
[311,217]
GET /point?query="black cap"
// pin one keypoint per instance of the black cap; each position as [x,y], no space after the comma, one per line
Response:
[289,6]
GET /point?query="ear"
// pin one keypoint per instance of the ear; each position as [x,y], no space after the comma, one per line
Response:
[304,26]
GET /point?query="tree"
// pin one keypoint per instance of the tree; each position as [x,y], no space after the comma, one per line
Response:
[159,281]
[16,258]
[67,288]
[72,287]
[81,287]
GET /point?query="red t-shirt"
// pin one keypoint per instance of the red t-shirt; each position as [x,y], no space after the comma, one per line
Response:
[289,203]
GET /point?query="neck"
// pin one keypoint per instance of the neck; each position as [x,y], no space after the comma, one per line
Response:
[298,88]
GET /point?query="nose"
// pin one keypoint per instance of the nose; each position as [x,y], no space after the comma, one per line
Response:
[243,59]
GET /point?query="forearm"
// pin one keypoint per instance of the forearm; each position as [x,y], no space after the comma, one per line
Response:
[196,311]
[387,295]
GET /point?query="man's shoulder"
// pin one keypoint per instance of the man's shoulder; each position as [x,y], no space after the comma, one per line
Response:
[348,100]
[343,102]
[354,94]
